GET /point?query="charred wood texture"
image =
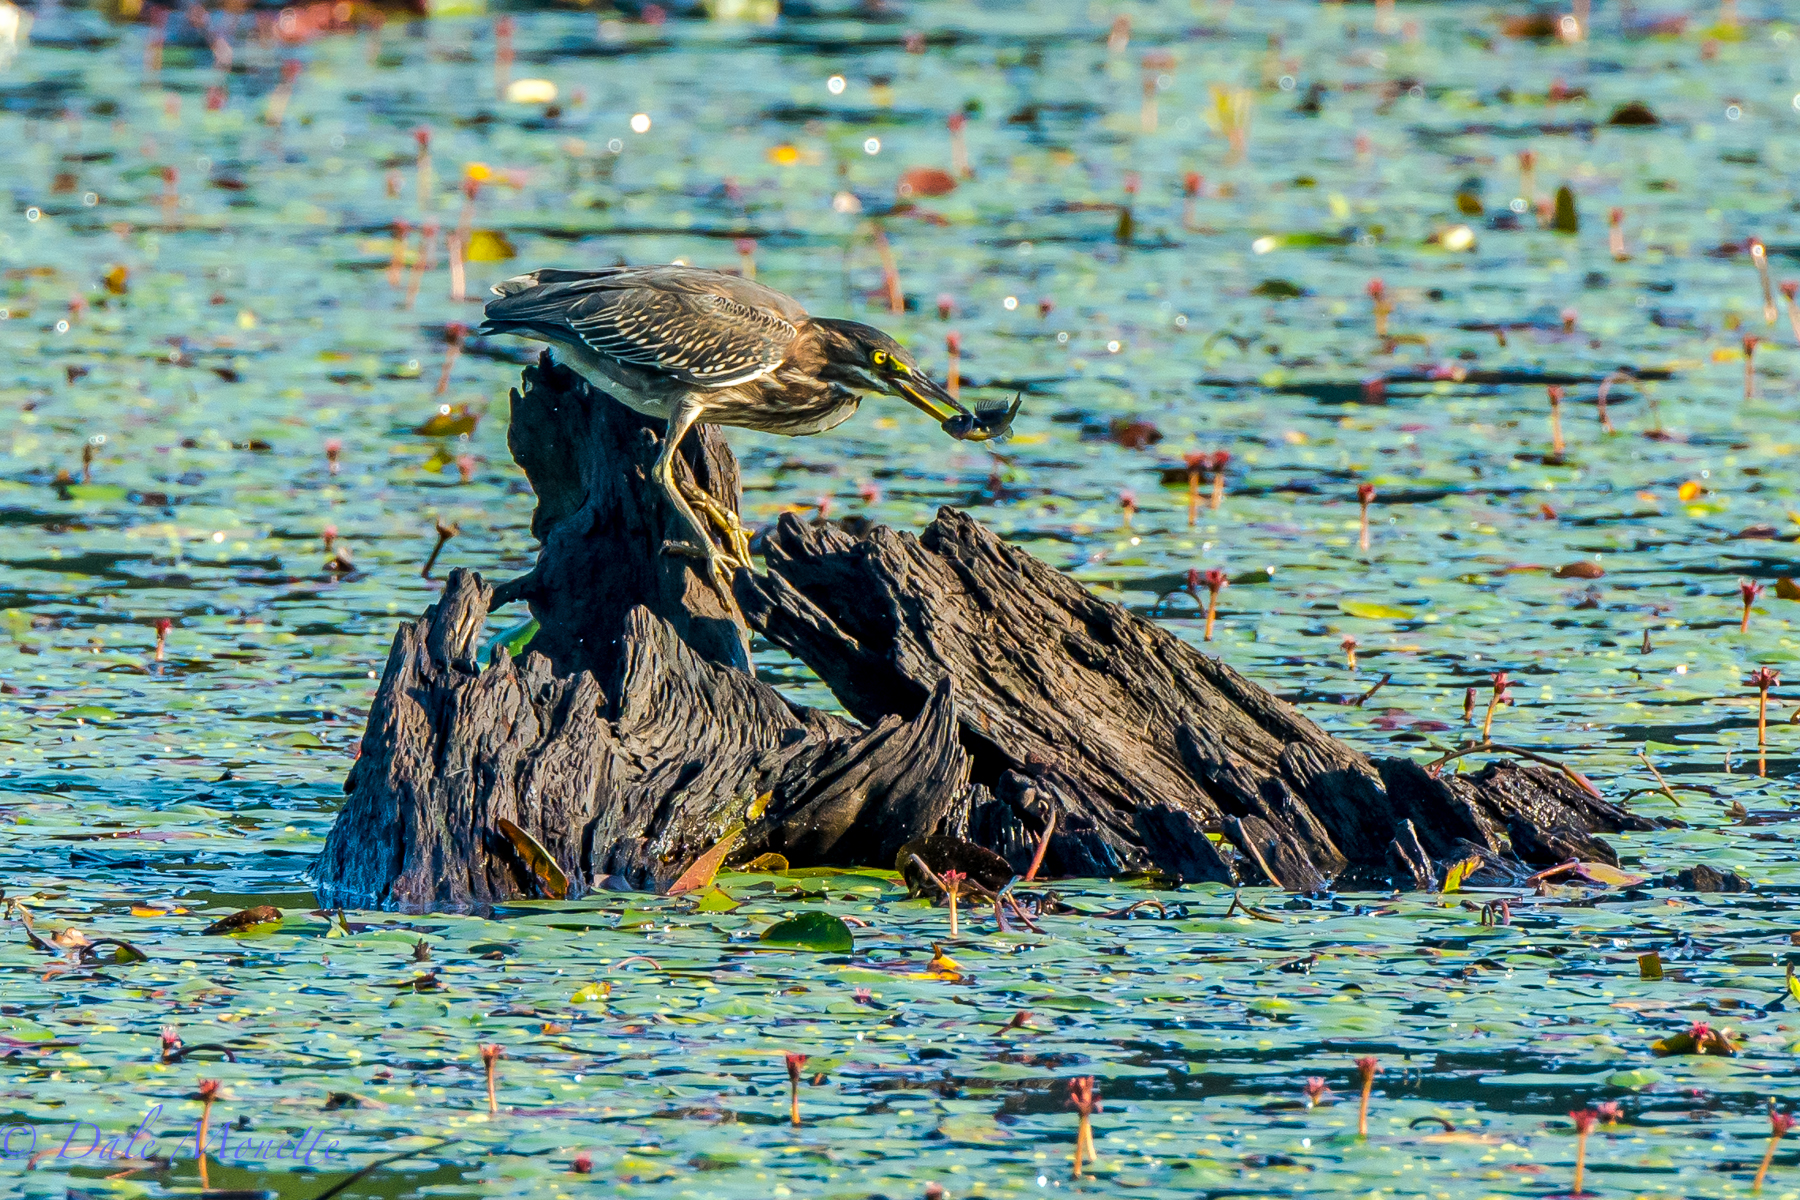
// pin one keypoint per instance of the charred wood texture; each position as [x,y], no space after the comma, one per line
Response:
[996,700]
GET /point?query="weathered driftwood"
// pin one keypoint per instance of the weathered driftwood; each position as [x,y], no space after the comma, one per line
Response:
[998,700]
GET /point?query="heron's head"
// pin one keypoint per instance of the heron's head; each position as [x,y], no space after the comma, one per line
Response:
[865,359]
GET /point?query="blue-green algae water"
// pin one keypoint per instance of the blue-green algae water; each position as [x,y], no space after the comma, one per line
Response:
[204,293]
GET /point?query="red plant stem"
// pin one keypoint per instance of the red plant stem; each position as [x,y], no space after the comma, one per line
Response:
[1194,496]
[1581,1137]
[1762,715]
[1212,610]
[959,147]
[426,260]
[1037,859]
[953,375]
[1768,1157]
[200,1140]
[1606,425]
[1556,434]
[1363,538]
[450,356]
[890,273]
[503,54]
[1218,489]
[1759,255]
[397,263]
[1362,1108]
[445,533]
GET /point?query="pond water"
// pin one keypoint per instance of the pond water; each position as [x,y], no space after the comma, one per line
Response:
[217,351]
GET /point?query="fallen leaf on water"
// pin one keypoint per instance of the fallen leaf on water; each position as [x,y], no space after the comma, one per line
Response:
[770,864]
[701,871]
[248,918]
[1580,569]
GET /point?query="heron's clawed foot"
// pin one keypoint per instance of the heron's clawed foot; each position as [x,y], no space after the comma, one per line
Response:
[736,537]
[719,565]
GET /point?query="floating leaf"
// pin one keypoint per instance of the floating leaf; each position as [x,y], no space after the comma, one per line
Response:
[249,918]
[1580,569]
[1377,612]
[717,900]
[593,993]
[1650,966]
[811,931]
[550,877]
[769,864]
[1787,589]
[87,712]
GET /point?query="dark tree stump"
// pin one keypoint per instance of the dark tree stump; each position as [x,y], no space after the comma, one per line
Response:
[603,525]
[996,697]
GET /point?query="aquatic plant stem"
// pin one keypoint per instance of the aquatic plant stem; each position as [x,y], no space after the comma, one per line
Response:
[209,1090]
[953,881]
[1081,1096]
[794,1063]
[1368,1066]
[1557,446]
[1584,1119]
[1779,1123]
[1762,679]
[490,1059]
[444,534]
[890,272]
[1365,495]
[1759,255]
[1037,859]
[1606,425]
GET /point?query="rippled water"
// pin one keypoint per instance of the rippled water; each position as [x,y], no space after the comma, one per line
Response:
[208,297]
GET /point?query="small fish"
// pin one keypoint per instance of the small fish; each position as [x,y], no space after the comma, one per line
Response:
[991,421]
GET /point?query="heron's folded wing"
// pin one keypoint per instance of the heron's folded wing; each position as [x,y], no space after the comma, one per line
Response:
[699,337]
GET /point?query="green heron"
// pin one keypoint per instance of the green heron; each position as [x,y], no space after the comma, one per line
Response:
[687,344]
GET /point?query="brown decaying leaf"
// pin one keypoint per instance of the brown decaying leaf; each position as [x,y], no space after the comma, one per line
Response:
[550,877]
[262,914]
[700,873]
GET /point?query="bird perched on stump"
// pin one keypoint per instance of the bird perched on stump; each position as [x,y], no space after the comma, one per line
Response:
[687,344]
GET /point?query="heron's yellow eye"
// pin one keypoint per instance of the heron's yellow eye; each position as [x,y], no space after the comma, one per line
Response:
[879,358]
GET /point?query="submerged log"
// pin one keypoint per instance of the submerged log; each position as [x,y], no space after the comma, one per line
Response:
[995,700]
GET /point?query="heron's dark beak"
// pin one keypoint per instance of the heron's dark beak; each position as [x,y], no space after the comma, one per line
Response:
[925,394]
